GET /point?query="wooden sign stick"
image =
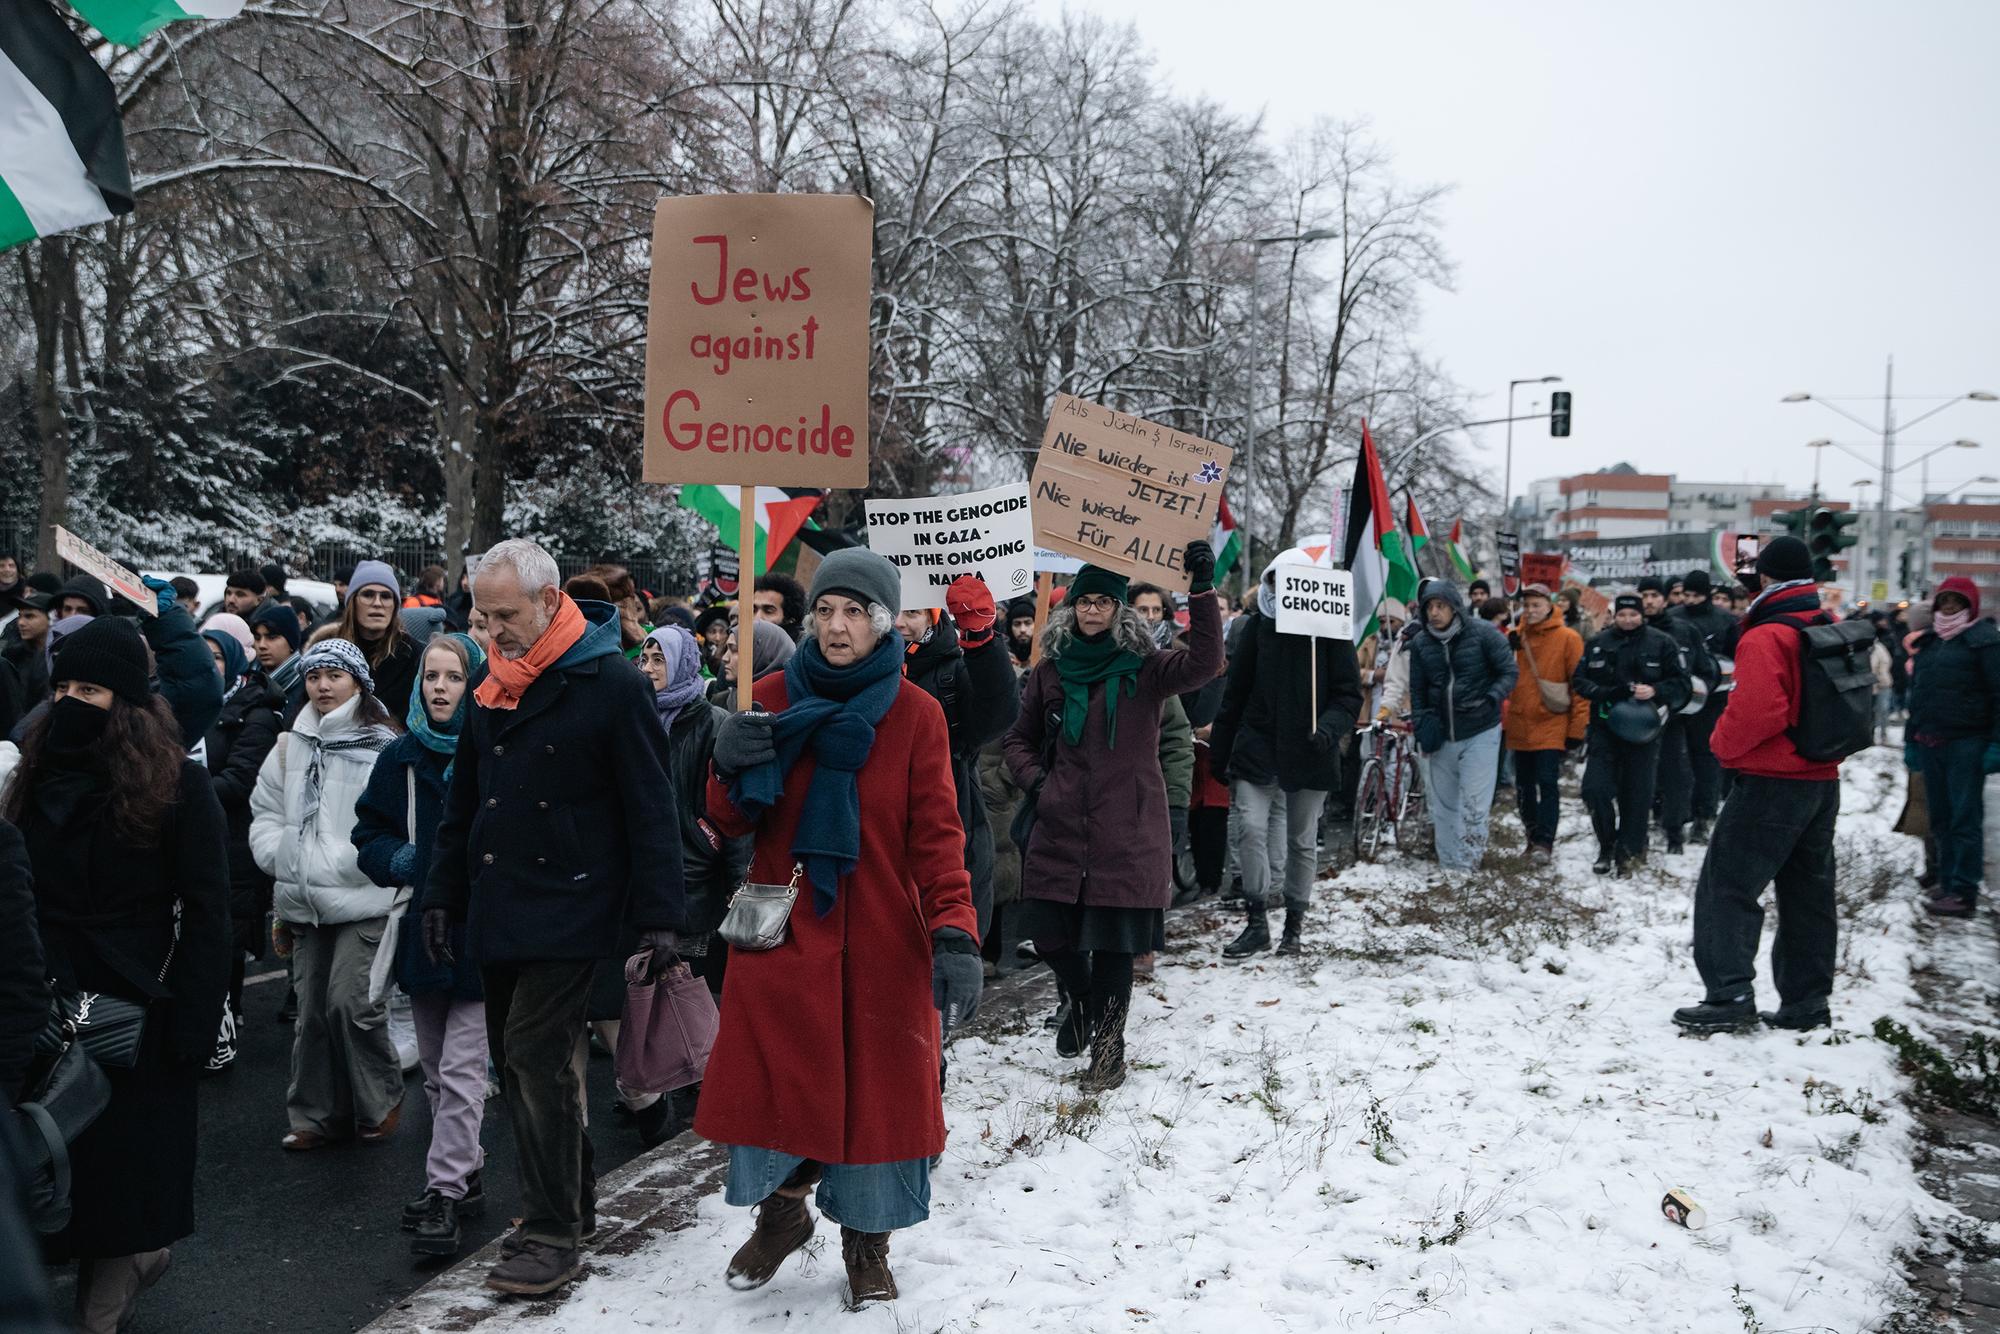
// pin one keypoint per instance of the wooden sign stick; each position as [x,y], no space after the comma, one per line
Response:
[1045,586]
[746,586]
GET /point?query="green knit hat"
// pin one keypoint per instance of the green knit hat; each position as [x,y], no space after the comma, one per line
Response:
[1094,579]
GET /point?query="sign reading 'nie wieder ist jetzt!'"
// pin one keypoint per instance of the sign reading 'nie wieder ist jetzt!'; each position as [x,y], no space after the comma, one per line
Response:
[757,341]
[1123,492]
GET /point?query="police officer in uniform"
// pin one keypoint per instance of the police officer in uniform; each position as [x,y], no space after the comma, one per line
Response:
[1676,781]
[1634,678]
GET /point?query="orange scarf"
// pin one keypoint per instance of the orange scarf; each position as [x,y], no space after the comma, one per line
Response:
[507,679]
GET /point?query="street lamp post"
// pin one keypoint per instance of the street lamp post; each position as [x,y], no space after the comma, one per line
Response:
[1249,515]
[1507,472]
[1887,434]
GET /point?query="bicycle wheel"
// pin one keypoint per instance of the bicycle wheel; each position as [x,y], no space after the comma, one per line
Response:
[1410,809]
[1371,804]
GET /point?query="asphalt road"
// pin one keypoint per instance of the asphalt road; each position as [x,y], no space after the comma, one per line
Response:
[309,1243]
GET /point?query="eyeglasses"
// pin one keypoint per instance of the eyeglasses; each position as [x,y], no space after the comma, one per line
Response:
[1094,602]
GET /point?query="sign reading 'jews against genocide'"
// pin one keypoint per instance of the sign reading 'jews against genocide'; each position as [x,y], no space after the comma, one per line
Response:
[1125,493]
[936,539]
[1313,600]
[757,341]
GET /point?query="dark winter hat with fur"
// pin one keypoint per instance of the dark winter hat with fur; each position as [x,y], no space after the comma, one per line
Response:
[108,652]
[1785,558]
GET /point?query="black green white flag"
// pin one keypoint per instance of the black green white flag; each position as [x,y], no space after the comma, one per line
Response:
[62,145]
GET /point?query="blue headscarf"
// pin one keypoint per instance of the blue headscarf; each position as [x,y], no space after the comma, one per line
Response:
[834,710]
[684,683]
[444,740]
[234,664]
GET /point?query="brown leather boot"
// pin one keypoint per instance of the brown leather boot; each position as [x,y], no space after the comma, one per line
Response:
[783,1225]
[868,1276]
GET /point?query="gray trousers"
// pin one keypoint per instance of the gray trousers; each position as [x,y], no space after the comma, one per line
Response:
[1274,840]
[345,1073]
[1280,840]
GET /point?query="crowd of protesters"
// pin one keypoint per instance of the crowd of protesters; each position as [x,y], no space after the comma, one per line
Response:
[499,806]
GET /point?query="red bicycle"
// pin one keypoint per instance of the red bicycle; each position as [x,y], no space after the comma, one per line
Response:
[1388,794]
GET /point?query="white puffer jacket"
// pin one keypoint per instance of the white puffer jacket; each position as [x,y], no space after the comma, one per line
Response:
[317,879]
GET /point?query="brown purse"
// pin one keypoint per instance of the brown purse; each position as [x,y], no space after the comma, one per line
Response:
[1555,694]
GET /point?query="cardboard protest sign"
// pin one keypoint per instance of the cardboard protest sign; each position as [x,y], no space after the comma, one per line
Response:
[1123,492]
[1313,600]
[935,539]
[1510,562]
[757,341]
[1540,567]
[105,570]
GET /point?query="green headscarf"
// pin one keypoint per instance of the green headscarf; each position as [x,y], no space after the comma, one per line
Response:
[1085,663]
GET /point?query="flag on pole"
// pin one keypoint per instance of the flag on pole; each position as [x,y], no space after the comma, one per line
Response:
[1374,548]
[130,22]
[781,512]
[1228,543]
[1455,548]
[1414,525]
[62,144]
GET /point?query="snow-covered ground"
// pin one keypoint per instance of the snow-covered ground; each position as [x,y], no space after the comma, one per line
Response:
[1459,1111]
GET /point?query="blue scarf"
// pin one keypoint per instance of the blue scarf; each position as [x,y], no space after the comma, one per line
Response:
[417,718]
[834,710]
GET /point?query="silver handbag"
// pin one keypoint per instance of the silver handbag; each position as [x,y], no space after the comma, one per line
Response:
[760,916]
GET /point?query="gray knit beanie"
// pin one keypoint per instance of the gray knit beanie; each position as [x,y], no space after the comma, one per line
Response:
[860,574]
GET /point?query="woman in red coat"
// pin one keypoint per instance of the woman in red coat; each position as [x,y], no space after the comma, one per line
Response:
[1098,869]
[825,1071]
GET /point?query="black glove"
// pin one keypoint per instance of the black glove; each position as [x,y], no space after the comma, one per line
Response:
[665,946]
[1177,821]
[957,976]
[743,741]
[1325,739]
[1199,561]
[437,935]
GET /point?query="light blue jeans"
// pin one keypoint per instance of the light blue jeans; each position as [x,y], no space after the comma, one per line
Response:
[868,1197]
[1461,776]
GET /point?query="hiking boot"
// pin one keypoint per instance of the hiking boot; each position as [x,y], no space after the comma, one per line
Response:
[473,1202]
[1295,921]
[868,1276]
[416,1210]
[1256,936]
[1949,905]
[1718,1016]
[1073,1032]
[437,1232]
[1800,1019]
[783,1225]
[535,1267]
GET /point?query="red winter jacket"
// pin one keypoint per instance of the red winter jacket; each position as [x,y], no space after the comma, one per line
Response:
[1750,737]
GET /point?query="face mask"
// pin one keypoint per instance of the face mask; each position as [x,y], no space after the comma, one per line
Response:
[74,724]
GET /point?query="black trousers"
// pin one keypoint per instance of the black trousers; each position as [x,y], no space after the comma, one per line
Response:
[1208,833]
[1676,780]
[534,1019]
[1772,831]
[1706,769]
[1538,791]
[1618,791]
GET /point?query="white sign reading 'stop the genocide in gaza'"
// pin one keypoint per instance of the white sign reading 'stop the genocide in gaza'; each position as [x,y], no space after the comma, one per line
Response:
[935,539]
[1313,600]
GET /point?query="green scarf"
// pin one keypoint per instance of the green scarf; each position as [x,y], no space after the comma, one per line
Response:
[1085,663]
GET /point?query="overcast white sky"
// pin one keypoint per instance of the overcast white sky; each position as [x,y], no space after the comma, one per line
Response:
[1686,211]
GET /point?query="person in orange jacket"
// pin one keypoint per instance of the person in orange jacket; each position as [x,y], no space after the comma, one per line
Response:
[1547,653]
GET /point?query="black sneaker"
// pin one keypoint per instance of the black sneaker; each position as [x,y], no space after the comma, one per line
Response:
[1718,1016]
[1800,1019]
[418,1209]
[535,1268]
[1603,863]
[437,1232]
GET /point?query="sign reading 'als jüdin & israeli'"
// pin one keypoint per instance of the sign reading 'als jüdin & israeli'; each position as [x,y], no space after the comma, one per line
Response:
[936,539]
[1313,600]
[1125,493]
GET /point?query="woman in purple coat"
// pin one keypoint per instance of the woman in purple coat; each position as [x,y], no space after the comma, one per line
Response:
[1098,868]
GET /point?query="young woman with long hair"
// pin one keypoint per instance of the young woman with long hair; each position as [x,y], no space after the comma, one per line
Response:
[370,619]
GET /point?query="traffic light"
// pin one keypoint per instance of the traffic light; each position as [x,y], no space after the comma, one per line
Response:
[1825,539]
[1903,569]
[1559,412]
[1795,522]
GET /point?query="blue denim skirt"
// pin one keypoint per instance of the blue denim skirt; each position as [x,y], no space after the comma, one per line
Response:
[868,1197]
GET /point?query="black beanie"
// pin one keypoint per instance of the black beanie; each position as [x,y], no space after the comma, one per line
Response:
[1784,558]
[1652,583]
[87,588]
[282,620]
[1627,602]
[108,652]
[1697,581]
[248,580]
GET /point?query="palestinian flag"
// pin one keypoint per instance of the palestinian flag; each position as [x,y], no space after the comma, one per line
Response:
[1414,525]
[62,144]
[1454,547]
[781,512]
[1374,548]
[130,22]
[1226,540]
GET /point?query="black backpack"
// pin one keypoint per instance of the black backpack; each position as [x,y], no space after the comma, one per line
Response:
[1836,691]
